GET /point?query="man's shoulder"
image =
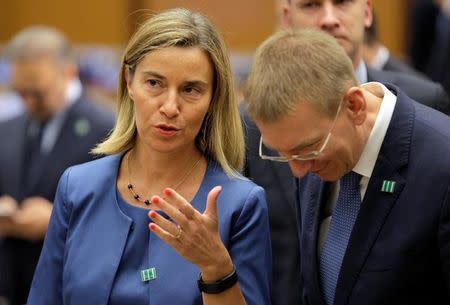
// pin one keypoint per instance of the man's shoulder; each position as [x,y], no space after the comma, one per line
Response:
[13,125]
[396,65]
[89,109]
[421,90]
[403,80]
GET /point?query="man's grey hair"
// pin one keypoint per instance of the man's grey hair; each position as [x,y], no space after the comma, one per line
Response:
[39,41]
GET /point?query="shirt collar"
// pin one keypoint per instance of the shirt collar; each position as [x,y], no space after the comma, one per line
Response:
[361,72]
[381,58]
[73,92]
[52,129]
[366,162]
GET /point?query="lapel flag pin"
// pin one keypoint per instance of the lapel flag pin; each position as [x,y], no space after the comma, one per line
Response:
[388,186]
[82,127]
[148,274]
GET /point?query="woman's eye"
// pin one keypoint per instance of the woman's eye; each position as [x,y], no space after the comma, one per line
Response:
[192,90]
[153,82]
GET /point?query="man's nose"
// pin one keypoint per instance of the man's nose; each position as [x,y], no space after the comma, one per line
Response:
[329,18]
[300,168]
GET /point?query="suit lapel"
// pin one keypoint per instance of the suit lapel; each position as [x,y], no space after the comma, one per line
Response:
[374,211]
[58,150]
[284,179]
[18,147]
[312,198]
[378,202]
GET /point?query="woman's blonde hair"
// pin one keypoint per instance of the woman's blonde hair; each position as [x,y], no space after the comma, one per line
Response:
[221,136]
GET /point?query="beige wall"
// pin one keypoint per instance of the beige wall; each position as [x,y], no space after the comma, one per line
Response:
[84,21]
[244,23]
[392,24]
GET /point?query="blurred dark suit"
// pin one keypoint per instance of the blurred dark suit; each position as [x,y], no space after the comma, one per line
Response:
[85,125]
[396,65]
[276,179]
[427,92]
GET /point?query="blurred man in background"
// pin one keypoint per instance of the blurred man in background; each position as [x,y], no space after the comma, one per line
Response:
[60,127]
[377,55]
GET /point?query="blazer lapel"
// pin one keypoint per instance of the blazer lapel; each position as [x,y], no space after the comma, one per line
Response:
[108,228]
[378,202]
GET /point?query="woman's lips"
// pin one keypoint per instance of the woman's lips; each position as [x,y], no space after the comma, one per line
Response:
[167,130]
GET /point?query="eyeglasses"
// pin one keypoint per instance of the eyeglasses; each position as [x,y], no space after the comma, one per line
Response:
[301,157]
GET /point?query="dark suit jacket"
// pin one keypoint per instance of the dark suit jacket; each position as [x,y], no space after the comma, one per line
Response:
[396,65]
[18,258]
[399,250]
[276,179]
[421,90]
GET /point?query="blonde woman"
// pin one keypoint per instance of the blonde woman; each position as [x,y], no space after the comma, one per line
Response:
[165,218]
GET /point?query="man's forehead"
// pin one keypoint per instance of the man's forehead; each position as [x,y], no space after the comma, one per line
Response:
[285,135]
[33,72]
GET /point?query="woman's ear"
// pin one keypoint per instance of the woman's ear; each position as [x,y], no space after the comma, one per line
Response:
[129,80]
[356,104]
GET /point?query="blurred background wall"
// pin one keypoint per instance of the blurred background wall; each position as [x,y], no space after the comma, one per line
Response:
[244,23]
[100,28]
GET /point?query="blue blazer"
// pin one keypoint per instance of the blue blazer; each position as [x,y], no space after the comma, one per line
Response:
[399,250]
[88,233]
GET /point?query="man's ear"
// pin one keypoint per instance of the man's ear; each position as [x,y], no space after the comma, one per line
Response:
[286,19]
[368,13]
[356,105]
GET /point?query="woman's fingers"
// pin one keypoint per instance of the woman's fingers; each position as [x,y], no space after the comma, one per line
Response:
[164,235]
[180,203]
[211,203]
[170,209]
[164,223]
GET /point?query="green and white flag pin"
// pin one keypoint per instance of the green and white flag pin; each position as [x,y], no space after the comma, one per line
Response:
[148,274]
[388,186]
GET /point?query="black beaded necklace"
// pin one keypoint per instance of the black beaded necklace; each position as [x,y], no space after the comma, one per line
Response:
[147,202]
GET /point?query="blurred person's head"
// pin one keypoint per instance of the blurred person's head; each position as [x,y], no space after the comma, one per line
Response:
[343,19]
[371,43]
[303,96]
[149,59]
[42,64]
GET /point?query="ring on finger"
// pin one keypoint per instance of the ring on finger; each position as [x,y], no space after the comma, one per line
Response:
[179,232]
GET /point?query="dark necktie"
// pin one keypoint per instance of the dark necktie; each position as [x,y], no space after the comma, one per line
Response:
[342,221]
[33,156]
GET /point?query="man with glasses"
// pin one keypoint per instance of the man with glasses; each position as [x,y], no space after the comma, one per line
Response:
[306,151]
[345,20]
[372,174]
[60,127]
